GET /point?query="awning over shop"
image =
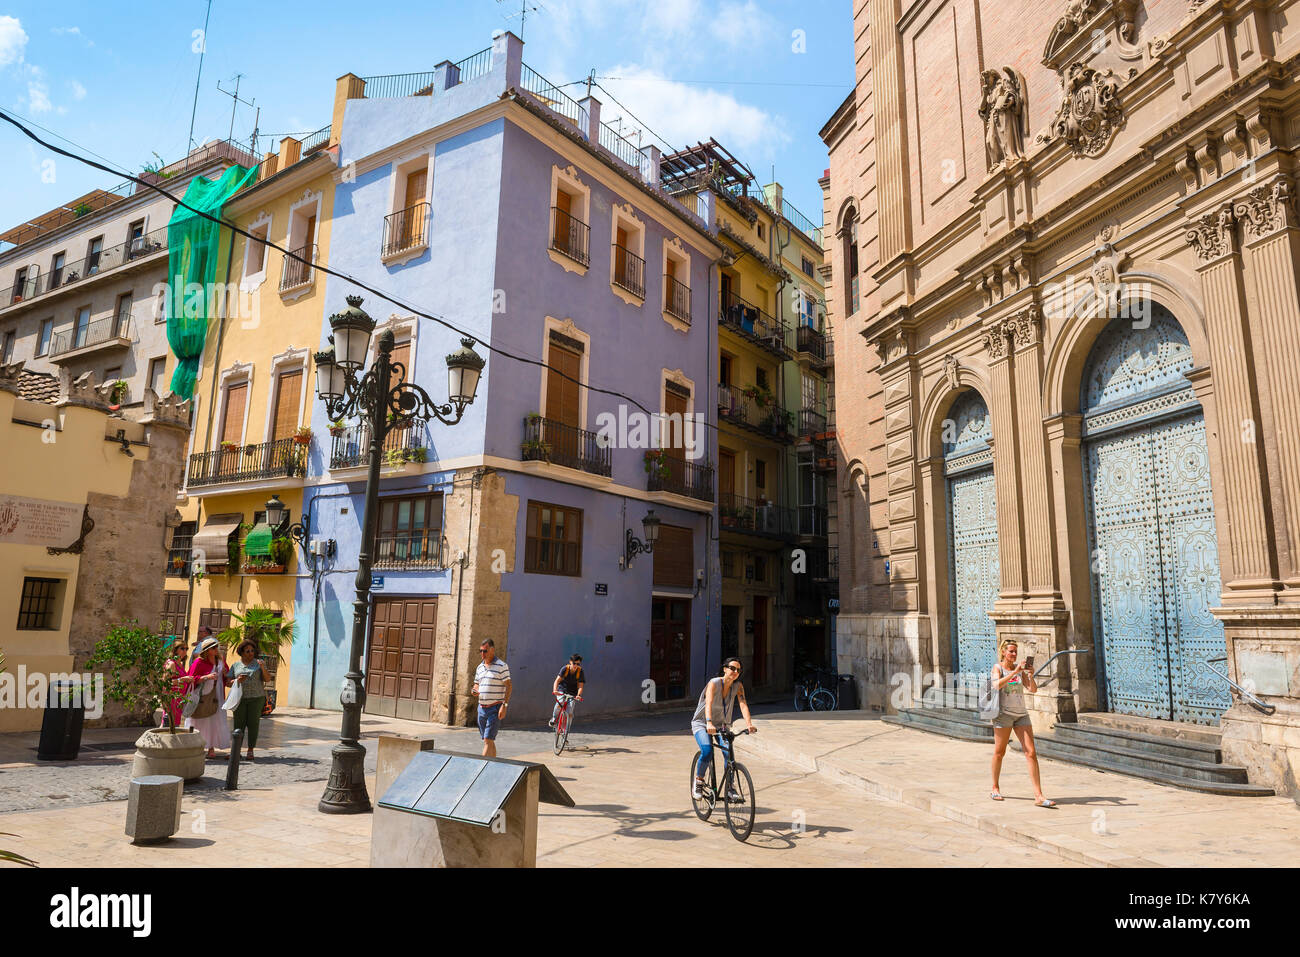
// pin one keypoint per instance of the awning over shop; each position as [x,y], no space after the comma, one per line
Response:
[211,544]
[258,540]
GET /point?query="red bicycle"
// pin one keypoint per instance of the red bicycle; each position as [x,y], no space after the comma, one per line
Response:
[563,719]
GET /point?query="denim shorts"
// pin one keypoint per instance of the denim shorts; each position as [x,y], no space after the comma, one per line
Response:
[488,718]
[1004,720]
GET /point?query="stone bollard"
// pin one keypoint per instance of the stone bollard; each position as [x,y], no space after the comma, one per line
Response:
[232,770]
[153,811]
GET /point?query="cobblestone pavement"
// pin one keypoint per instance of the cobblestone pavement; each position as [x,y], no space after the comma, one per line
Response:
[627,777]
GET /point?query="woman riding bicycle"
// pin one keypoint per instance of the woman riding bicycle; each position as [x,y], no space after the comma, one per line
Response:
[717,701]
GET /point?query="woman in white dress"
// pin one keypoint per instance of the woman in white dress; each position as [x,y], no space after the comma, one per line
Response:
[208,667]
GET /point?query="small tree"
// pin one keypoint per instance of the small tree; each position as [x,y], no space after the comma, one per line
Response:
[136,660]
[263,626]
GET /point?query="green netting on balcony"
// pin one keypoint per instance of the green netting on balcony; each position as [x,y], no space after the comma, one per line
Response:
[258,541]
[193,255]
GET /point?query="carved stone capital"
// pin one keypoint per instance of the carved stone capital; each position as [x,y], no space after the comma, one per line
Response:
[1025,328]
[1214,234]
[995,341]
[1266,209]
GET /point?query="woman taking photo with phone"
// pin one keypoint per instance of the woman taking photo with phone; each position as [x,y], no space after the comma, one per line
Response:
[1012,681]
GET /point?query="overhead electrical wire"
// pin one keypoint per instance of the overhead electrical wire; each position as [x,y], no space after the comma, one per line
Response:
[486,342]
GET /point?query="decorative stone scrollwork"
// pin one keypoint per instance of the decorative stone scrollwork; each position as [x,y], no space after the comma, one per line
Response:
[995,341]
[1213,235]
[1067,39]
[1090,111]
[1266,209]
[1025,327]
[1002,108]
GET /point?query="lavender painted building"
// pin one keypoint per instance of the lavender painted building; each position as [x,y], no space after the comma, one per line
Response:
[480,194]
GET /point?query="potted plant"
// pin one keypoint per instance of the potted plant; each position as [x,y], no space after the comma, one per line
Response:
[303,435]
[728,515]
[233,552]
[116,393]
[337,428]
[81,209]
[137,678]
[178,563]
[281,550]
[656,463]
[535,449]
[229,446]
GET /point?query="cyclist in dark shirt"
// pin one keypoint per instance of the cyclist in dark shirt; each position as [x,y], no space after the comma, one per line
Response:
[571,678]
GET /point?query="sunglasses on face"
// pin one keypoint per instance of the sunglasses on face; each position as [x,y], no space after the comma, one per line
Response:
[733,668]
[484,651]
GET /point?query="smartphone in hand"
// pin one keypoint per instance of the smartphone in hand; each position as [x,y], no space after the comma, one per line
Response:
[1029,664]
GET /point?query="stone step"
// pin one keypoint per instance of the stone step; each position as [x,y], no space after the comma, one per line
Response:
[1192,775]
[952,722]
[1174,730]
[1148,743]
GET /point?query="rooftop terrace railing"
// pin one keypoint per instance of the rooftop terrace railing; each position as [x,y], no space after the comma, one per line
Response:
[552,97]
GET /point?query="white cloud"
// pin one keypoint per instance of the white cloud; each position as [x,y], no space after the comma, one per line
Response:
[739,25]
[78,91]
[685,113]
[72,32]
[38,95]
[13,41]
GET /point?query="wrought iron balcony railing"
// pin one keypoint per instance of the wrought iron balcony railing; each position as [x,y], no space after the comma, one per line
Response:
[682,477]
[546,440]
[757,516]
[417,548]
[282,458]
[94,264]
[629,271]
[677,299]
[298,272]
[825,566]
[350,446]
[753,323]
[812,520]
[757,413]
[811,422]
[406,229]
[571,236]
[809,340]
[114,330]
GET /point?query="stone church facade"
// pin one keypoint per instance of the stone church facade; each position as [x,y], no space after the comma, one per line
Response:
[1063,264]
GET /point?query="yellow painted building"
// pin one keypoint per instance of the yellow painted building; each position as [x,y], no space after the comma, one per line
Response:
[253,398]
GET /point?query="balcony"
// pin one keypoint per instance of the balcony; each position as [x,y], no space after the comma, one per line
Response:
[297,274]
[95,264]
[629,271]
[546,440]
[811,422]
[416,548]
[673,473]
[406,231]
[747,409]
[755,516]
[812,521]
[754,324]
[571,237]
[100,336]
[349,447]
[825,454]
[283,458]
[677,299]
[811,343]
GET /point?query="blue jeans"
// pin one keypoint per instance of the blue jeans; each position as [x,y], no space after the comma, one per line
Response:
[706,752]
[488,719]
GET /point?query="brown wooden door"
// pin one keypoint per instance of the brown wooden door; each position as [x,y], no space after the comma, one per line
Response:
[310,236]
[759,669]
[402,354]
[563,219]
[563,401]
[726,477]
[670,647]
[412,232]
[288,399]
[399,678]
[673,437]
[620,255]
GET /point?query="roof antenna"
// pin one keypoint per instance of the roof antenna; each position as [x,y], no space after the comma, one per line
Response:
[235,101]
[202,50]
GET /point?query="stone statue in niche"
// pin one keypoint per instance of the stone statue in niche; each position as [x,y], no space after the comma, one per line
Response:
[1002,108]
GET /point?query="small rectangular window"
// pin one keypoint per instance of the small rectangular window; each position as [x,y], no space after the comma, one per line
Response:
[157,374]
[39,604]
[10,336]
[553,540]
[410,531]
[43,338]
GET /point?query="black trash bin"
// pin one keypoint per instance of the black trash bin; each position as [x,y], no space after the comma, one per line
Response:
[847,693]
[62,722]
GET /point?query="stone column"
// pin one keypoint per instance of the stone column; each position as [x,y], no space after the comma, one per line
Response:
[1245,527]
[1074,559]
[1006,467]
[1268,217]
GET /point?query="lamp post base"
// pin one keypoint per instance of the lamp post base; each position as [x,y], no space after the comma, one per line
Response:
[346,791]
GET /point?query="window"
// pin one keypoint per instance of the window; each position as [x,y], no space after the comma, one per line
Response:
[38,608]
[83,325]
[302,242]
[677,284]
[178,556]
[760,568]
[851,264]
[288,400]
[93,252]
[806,266]
[406,227]
[760,474]
[255,251]
[160,307]
[553,542]
[760,230]
[674,557]
[402,354]
[43,337]
[157,374]
[410,530]
[10,336]
[21,284]
[56,269]
[804,307]
[232,426]
[809,393]
[627,256]
[724,370]
[760,377]
[134,232]
[122,326]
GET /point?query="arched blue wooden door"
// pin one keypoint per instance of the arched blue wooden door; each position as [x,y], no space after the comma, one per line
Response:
[1155,559]
[974,570]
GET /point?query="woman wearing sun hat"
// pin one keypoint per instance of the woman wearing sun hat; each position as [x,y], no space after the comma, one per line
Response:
[206,670]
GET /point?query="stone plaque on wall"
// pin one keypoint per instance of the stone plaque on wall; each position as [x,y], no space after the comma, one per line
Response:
[35,521]
[1265,670]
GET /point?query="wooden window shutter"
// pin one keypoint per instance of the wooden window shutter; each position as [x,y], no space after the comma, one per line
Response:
[415,183]
[562,384]
[288,399]
[674,557]
[402,354]
[232,429]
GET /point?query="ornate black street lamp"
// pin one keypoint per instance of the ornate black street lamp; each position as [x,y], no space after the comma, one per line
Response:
[381,407]
[634,545]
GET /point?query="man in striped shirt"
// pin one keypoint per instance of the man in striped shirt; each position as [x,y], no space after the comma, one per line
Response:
[492,685]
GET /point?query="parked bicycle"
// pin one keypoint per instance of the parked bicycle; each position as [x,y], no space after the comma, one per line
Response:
[736,793]
[814,693]
[564,719]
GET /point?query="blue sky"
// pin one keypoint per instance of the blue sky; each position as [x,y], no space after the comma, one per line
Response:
[760,76]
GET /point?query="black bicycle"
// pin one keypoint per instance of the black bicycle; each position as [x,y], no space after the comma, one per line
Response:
[737,792]
[812,693]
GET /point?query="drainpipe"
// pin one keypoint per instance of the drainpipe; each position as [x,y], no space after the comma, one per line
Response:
[460,594]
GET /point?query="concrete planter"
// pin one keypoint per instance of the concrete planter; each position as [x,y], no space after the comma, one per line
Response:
[158,751]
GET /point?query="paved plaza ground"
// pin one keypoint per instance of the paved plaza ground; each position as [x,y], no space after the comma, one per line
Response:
[833,790]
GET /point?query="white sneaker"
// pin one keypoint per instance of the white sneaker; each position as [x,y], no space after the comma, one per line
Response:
[698,791]
[551,723]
